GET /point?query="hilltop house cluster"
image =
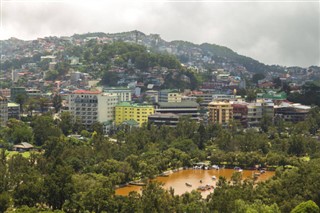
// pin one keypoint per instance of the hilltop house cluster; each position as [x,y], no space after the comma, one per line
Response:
[139,102]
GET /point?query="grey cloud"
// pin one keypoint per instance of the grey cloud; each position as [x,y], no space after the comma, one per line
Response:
[273,33]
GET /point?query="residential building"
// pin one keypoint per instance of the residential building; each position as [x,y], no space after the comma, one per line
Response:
[169,96]
[267,107]
[92,106]
[185,108]
[75,76]
[205,98]
[254,114]
[220,112]
[240,112]
[124,94]
[106,107]
[152,95]
[126,111]
[13,110]
[3,110]
[5,92]
[33,92]
[222,97]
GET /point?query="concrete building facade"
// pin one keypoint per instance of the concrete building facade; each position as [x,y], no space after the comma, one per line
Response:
[220,112]
[126,111]
[3,110]
[171,96]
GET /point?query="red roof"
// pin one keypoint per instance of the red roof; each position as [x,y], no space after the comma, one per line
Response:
[80,91]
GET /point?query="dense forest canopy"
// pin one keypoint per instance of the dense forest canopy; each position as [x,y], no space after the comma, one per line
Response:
[74,175]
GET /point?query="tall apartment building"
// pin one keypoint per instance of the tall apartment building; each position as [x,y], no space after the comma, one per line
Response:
[220,112]
[92,106]
[169,96]
[267,107]
[3,110]
[124,94]
[126,111]
[14,111]
[255,113]
[240,112]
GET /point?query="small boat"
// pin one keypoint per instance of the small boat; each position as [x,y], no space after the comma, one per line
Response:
[208,187]
[188,184]
[216,167]
[214,177]
[204,188]
[262,171]
[201,188]
[135,183]
[238,169]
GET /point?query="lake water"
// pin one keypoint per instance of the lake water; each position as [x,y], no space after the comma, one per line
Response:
[178,180]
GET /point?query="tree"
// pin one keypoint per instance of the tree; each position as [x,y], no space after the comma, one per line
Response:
[43,103]
[256,207]
[30,191]
[57,102]
[43,128]
[4,201]
[156,199]
[58,186]
[265,123]
[21,99]
[93,192]
[17,132]
[306,207]
[251,95]
[66,123]
[257,76]
[109,78]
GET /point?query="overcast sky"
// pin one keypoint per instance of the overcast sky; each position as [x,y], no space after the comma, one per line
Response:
[285,33]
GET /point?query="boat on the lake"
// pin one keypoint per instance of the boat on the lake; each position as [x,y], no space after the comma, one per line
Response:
[137,183]
[216,167]
[214,177]
[238,169]
[188,184]
[206,187]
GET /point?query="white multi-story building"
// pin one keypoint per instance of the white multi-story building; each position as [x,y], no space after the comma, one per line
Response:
[92,106]
[124,94]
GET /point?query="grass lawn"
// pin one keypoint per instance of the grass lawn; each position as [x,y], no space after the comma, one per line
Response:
[24,154]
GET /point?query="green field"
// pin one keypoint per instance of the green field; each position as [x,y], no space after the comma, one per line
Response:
[11,153]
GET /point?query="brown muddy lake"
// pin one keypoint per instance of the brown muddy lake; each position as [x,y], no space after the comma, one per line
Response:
[178,180]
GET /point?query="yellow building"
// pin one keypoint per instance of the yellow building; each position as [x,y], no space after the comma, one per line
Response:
[220,112]
[126,111]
